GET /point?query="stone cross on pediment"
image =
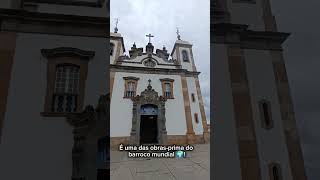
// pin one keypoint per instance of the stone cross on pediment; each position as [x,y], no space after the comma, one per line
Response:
[149,36]
[149,95]
[116,28]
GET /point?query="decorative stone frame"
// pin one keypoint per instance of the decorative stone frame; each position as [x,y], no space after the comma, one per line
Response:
[65,56]
[163,82]
[89,126]
[126,81]
[148,96]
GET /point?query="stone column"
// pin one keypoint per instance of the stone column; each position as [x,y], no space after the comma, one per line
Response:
[133,134]
[163,129]
[190,132]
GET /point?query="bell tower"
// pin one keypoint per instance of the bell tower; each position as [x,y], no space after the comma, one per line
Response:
[254,125]
[116,45]
[182,52]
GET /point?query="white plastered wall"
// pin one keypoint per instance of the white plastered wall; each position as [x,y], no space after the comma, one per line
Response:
[271,143]
[28,138]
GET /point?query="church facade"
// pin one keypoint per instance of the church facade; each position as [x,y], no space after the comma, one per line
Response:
[154,99]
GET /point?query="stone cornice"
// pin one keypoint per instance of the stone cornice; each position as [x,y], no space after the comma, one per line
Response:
[219,12]
[145,70]
[126,57]
[240,35]
[167,79]
[131,78]
[47,23]
[67,52]
[141,62]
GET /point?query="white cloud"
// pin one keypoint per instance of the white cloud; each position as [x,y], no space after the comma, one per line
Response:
[160,18]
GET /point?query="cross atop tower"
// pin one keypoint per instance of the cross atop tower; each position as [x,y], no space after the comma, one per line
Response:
[150,36]
[178,33]
[116,28]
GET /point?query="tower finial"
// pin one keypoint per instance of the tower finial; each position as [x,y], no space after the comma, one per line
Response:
[178,33]
[116,28]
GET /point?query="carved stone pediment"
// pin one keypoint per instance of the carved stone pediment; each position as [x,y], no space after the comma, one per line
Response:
[148,96]
[89,127]
[82,119]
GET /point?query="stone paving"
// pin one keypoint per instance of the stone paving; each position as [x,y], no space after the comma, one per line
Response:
[196,166]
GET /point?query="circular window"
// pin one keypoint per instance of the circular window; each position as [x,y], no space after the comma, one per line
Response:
[149,63]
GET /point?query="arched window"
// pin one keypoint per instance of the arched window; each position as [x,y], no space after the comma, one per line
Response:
[66,88]
[149,63]
[275,171]
[185,56]
[193,97]
[66,80]
[265,114]
[111,49]
[196,118]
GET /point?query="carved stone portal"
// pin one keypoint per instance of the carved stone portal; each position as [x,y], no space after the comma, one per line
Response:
[148,97]
[90,128]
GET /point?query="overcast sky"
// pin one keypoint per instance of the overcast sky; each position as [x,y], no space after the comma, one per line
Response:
[301,52]
[161,18]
